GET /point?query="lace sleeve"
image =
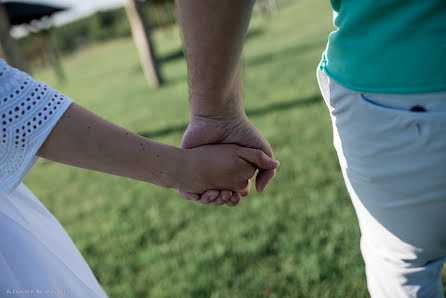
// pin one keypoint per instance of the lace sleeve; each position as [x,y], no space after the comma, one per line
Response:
[29,110]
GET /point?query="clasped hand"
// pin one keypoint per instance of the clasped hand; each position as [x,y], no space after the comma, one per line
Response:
[236,163]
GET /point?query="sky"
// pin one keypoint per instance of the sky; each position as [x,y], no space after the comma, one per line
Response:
[78,5]
[77,9]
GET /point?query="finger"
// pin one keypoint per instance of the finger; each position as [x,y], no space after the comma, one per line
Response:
[258,158]
[214,197]
[209,196]
[245,191]
[263,178]
[189,196]
[226,195]
[233,202]
[236,197]
[217,202]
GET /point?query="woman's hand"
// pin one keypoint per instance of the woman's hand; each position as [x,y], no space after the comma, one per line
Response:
[222,166]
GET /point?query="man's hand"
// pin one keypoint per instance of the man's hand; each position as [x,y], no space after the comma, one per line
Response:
[236,130]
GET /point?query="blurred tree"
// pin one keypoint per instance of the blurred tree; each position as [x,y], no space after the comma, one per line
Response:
[267,6]
[8,47]
[163,12]
[51,55]
[142,35]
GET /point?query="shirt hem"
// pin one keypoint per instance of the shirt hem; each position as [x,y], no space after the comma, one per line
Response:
[39,140]
[404,90]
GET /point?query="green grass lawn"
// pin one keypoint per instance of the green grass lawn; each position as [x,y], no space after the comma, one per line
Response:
[299,238]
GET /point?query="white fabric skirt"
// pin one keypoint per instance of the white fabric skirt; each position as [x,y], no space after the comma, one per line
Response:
[37,257]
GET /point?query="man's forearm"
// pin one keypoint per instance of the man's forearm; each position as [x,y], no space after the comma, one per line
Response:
[213,33]
[83,139]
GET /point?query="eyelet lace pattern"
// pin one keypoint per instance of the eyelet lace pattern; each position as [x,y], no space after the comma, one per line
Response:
[29,110]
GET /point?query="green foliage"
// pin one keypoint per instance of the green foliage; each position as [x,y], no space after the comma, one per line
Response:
[299,238]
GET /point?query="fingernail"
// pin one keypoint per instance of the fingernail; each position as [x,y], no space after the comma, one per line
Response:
[233,200]
[212,197]
[278,163]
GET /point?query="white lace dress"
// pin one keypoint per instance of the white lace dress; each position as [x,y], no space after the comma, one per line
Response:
[37,257]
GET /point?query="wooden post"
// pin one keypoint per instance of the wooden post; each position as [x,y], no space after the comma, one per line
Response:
[8,47]
[141,34]
[51,55]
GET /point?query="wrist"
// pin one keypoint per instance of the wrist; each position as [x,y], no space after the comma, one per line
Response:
[175,164]
[160,164]
[201,108]
[216,103]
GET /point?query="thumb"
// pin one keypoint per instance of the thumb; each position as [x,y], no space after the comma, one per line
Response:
[258,158]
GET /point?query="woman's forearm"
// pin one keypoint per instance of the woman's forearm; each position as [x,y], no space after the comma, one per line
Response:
[83,139]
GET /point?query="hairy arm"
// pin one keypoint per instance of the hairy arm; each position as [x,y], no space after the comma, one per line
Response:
[213,33]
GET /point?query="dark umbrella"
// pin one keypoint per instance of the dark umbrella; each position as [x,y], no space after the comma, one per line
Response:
[25,12]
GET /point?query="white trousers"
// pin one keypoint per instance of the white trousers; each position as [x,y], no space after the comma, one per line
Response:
[393,160]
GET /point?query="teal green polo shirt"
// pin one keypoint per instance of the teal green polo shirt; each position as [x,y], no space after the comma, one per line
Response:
[388,46]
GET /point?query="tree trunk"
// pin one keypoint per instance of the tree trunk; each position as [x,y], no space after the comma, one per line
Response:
[51,55]
[141,34]
[8,47]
